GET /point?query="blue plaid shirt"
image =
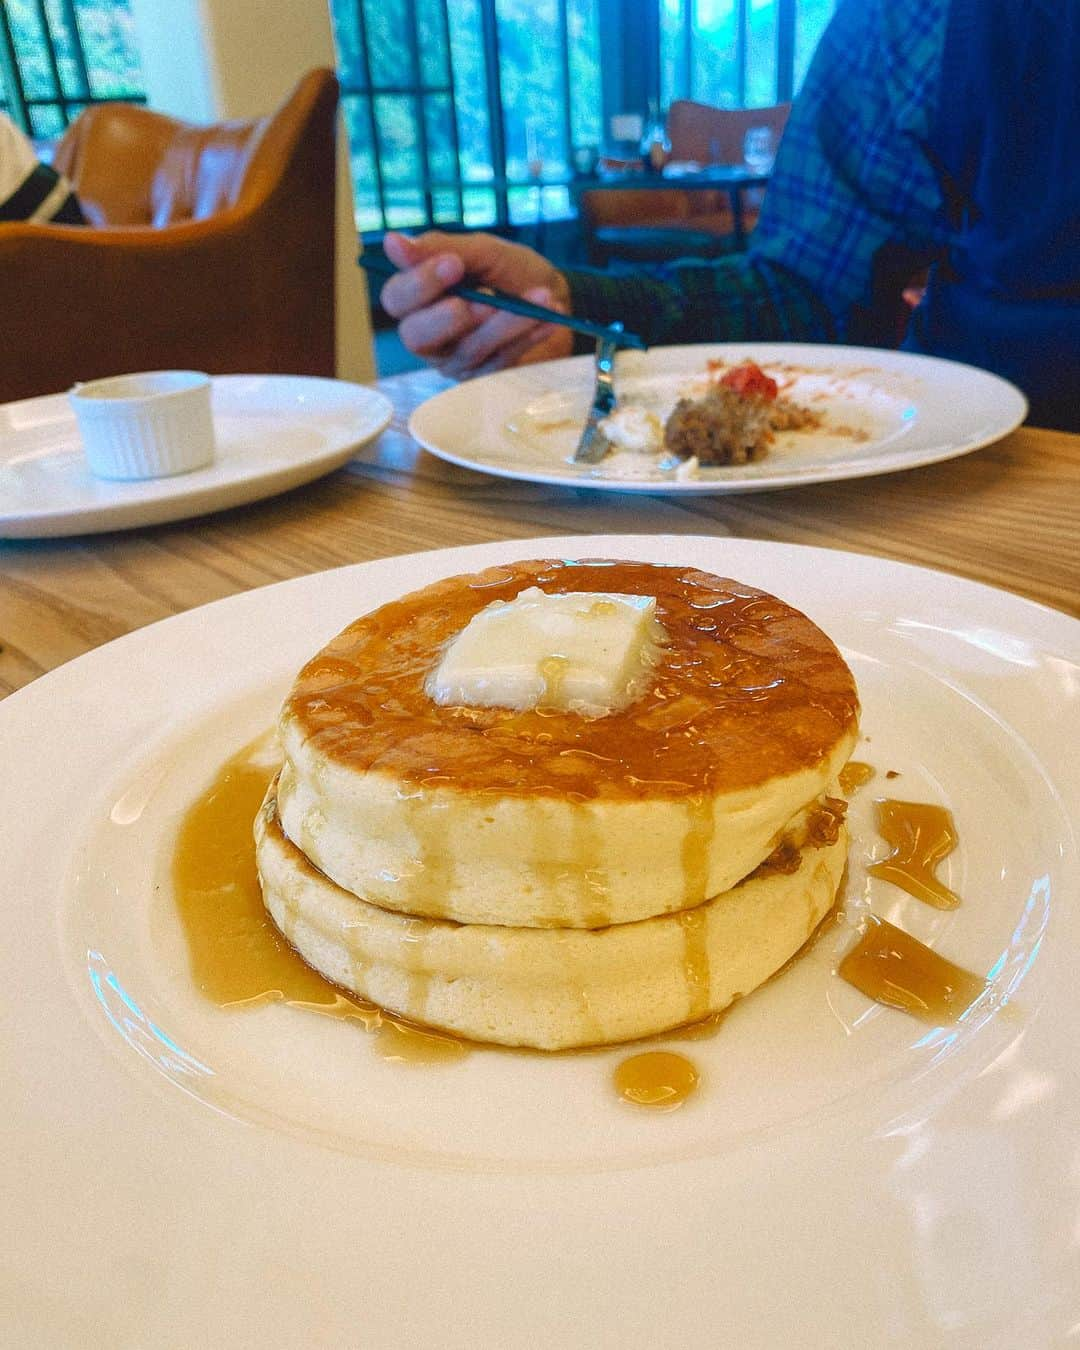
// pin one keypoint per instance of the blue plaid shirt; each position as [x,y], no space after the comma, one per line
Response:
[850,179]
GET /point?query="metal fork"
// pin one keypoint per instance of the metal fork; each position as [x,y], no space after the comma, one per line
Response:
[594,445]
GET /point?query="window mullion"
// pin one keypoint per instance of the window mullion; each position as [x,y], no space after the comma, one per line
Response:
[455,139]
[785,50]
[49,45]
[412,37]
[373,122]
[564,58]
[9,68]
[689,16]
[496,127]
[71,23]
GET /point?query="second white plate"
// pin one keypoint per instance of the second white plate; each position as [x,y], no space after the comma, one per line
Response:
[883,411]
[274,432]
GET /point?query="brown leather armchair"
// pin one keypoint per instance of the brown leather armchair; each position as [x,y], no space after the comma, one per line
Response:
[208,247]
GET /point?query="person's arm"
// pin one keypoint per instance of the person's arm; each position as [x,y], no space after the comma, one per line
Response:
[850,183]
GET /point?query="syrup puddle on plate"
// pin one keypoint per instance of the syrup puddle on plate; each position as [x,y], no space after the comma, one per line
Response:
[659,1079]
[238,957]
[891,967]
[921,837]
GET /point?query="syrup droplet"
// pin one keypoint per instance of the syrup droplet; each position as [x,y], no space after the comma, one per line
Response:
[891,967]
[658,1078]
[921,836]
[854,774]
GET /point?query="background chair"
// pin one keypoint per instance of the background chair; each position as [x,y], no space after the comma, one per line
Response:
[672,223]
[209,247]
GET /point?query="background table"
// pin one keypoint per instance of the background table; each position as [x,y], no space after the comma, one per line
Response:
[733,179]
[1007,515]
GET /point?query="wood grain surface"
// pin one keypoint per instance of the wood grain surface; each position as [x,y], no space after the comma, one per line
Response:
[1007,515]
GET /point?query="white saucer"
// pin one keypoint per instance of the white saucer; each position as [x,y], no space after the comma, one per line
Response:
[273,432]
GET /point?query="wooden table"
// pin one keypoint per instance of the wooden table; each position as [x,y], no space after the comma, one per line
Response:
[1008,515]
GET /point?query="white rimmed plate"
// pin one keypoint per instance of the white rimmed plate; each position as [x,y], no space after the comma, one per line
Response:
[181,1176]
[882,411]
[273,432]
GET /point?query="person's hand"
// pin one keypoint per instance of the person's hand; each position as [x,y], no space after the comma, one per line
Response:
[461,338]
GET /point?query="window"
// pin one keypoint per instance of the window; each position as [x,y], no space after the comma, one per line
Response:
[462,111]
[454,107]
[56,56]
[738,53]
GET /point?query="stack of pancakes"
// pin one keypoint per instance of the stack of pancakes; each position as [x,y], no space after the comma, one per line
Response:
[548,879]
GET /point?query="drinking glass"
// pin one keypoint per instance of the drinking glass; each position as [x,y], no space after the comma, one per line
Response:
[759,149]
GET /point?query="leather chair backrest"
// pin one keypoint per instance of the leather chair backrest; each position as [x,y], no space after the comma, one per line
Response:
[710,135]
[132,166]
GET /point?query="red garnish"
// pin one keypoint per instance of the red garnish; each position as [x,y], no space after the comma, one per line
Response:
[750,379]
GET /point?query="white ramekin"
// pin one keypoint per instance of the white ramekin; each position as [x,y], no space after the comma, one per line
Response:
[149,425]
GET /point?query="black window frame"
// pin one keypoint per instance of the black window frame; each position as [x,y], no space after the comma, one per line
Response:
[14,99]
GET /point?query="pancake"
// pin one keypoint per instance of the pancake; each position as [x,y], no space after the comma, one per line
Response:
[537,819]
[555,990]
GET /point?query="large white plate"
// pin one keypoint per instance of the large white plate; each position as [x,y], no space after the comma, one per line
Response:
[883,411]
[273,432]
[176,1175]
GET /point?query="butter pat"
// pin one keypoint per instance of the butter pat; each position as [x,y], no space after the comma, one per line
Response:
[589,652]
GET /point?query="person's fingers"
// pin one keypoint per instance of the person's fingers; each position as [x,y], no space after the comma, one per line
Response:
[400,249]
[430,331]
[497,331]
[407,250]
[485,258]
[421,285]
[459,338]
[532,345]
[502,336]
[550,344]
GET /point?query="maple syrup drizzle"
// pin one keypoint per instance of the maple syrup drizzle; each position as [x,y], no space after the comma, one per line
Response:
[695,961]
[695,848]
[659,1079]
[739,685]
[431,825]
[594,892]
[704,1029]
[553,672]
[892,967]
[855,774]
[921,835]
[238,957]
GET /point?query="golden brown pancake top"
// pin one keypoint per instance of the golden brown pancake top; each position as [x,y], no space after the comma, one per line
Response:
[747,689]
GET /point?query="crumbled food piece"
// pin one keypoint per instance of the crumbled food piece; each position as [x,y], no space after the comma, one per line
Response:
[723,427]
[735,420]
